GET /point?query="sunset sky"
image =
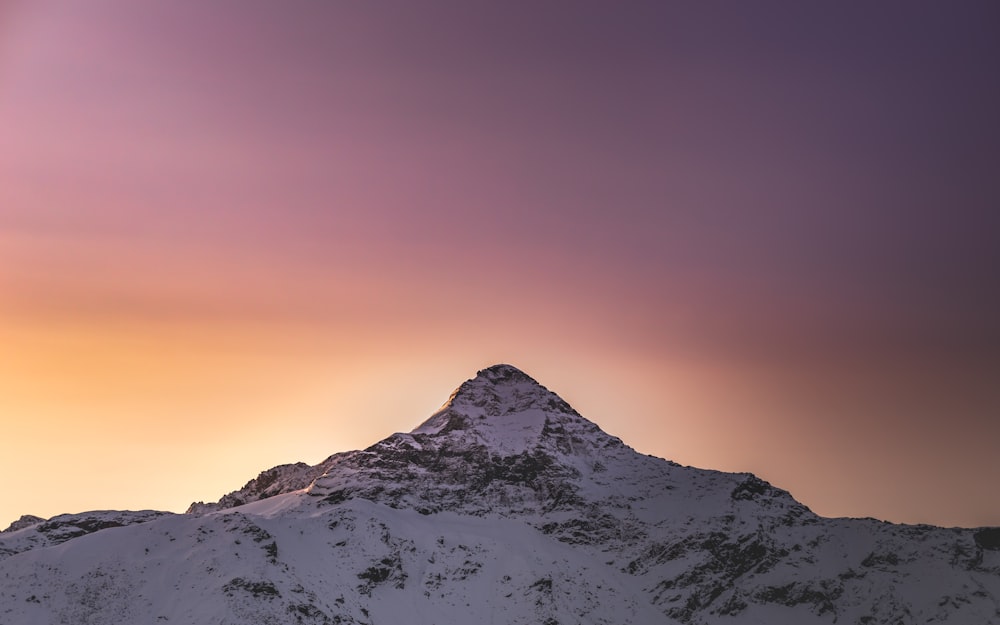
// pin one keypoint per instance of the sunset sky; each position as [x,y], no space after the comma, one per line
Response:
[743,236]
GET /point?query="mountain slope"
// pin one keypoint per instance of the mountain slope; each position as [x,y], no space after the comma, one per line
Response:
[505,506]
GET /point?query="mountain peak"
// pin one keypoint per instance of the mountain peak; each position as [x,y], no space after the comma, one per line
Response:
[503,374]
[507,412]
[498,383]
[501,436]
[501,398]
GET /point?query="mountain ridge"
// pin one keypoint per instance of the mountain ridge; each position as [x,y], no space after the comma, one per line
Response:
[505,503]
[472,411]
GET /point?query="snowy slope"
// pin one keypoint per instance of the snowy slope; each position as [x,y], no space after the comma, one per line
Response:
[505,506]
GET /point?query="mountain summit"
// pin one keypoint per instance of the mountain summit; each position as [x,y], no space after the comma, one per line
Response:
[500,438]
[507,411]
[505,505]
[503,406]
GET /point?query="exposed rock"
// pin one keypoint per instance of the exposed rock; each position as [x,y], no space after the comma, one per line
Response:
[26,520]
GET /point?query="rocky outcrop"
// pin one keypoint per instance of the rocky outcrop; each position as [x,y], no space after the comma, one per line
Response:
[26,520]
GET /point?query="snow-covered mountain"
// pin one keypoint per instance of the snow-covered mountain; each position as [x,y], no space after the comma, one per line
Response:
[505,506]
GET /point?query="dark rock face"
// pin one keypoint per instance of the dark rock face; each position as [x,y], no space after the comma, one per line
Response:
[71,528]
[752,488]
[66,526]
[275,481]
[254,588]
[447,477]
[988,538]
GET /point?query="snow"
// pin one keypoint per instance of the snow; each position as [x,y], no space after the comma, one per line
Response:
[505,506]
[507,418]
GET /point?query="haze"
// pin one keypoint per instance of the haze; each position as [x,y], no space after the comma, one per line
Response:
[750,238]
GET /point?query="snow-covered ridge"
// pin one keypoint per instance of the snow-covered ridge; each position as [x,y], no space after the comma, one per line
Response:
[31,532]
[506,504]
[501,412]
[502,442]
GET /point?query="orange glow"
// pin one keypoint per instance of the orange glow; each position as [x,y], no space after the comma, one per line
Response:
[231,239]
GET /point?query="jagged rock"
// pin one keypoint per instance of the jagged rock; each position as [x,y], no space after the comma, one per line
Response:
[26,520]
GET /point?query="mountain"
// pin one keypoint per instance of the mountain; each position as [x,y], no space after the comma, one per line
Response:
[505,506]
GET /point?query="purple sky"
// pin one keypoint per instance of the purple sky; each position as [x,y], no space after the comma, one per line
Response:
[772,227]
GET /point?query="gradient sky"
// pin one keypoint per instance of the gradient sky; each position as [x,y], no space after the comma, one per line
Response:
[751,237]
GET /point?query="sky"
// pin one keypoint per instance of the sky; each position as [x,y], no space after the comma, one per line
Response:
[747,237]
